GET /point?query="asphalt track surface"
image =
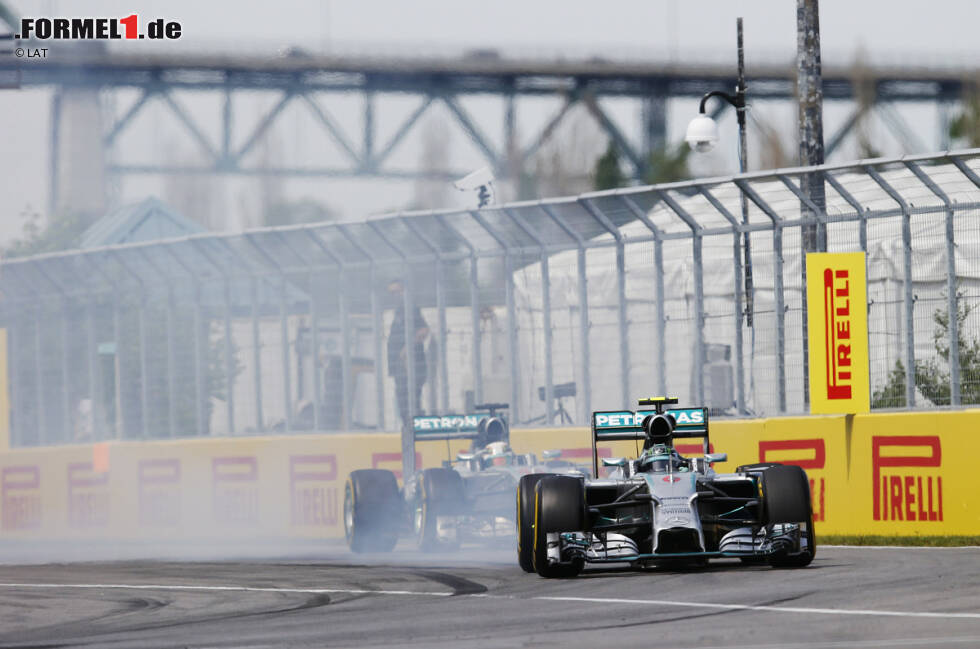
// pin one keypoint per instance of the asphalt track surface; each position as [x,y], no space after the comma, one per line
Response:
[849,597]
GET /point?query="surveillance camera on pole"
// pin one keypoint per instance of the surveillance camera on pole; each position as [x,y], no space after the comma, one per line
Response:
[702,133]
[480,181]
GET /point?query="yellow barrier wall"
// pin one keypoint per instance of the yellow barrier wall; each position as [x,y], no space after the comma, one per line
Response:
[894,474]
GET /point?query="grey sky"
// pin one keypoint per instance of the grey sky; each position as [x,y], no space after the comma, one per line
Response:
[902,32]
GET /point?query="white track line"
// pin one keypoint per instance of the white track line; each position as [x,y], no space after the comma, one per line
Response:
[546,598]
[859,644]
[900,547]
[752,607]
[248,589]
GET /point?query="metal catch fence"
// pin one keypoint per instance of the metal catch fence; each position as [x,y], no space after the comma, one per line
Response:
[557,307]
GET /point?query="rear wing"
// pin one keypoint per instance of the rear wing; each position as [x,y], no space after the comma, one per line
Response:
[614,425]
[448,426]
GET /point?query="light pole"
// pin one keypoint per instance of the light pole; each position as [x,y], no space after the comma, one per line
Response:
[702,133]
[810,88]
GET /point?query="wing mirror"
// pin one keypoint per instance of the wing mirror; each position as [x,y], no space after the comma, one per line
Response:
[716,457]
[551,454]
[614,461]
[465,457]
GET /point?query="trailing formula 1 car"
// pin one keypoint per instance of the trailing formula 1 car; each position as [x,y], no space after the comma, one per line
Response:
[662,507]
[469,498]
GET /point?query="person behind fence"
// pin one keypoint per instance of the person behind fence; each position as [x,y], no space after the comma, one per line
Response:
[398,356]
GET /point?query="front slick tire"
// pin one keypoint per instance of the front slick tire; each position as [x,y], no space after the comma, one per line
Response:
[372,511]
[787,500]
[440,493]
[525,519]
[559,506]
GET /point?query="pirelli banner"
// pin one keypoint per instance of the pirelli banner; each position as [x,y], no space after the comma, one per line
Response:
[901,473]
[837,328]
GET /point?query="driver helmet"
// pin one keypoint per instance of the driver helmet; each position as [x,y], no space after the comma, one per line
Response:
[660,458]
[500,454]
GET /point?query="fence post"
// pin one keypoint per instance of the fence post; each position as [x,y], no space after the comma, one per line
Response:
[737,311]
[94,371]
[171,365]
[813,238]
[696,243]
[549,378]
[315,349]
[144,388]
[509,297]
[475,320]
[256,353]
[343,310]
[141,341]
[408,304]
[42,434]
[440,286]
[777,252]
[377,335]
[65,360]
[199,351]
[315,327]
[287,391]
[229,362]
[658,262]
[908,299]
[952,306]
[66,371]
[583,299]
[624,345]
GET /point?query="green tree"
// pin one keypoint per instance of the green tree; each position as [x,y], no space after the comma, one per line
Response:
[62,232]
[966,125]
[608,173]
[665,165]
[668,164]
[932,376]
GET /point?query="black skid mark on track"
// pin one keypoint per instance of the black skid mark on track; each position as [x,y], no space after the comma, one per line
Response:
[93,634]
[315,601]
[126,607]
[460,585]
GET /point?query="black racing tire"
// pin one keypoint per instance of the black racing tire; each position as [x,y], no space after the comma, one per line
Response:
[786,495]
[525,519]
[559,506]
[440,493]
[372,510]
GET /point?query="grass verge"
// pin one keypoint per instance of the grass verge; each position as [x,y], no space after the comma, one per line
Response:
[901,541]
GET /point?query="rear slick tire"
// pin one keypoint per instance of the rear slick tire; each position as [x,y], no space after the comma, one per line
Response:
[372,511]
[440,494]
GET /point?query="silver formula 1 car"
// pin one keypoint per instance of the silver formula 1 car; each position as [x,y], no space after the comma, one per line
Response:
[662,507]
[469,498]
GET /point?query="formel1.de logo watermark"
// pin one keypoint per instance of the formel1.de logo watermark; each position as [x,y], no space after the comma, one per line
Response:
[101,29]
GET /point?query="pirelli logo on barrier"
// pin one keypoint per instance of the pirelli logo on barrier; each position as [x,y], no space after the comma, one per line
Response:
[314,490]
[20,497]
[907,484]
[837,326]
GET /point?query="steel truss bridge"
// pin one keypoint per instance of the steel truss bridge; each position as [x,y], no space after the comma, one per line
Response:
[314,80]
